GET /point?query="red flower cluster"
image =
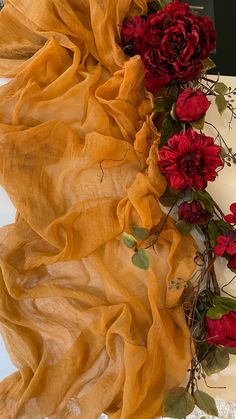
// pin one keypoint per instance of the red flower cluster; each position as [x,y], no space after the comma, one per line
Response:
[222,331]
[231,218]
[190,160]
[193,213]
[226,246]
[191,105]
[172,44]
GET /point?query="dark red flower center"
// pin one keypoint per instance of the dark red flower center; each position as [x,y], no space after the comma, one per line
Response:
[191,163]
[177,43]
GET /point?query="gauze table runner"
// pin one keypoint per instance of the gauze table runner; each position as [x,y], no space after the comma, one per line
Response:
[87,331]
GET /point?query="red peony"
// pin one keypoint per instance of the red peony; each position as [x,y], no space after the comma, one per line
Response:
[193,213]
[222,331]
[226,244]
[189,160]
[231,218]
[191,105]
[173,44]
[131,30]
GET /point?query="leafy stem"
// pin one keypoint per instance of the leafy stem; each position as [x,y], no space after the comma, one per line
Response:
[156,230]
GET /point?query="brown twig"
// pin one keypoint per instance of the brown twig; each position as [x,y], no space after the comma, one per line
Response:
[226,285]
[219,209]
[154,228]
[211,259]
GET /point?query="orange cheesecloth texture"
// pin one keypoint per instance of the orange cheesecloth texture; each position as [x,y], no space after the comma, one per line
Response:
[88,331]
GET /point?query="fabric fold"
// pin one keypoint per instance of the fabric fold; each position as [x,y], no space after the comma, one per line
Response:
[88,331]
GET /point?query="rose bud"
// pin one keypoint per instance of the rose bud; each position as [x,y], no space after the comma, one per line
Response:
[222,331]
[191,105]
[193,213]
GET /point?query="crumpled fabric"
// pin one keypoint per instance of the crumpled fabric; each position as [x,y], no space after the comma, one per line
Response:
[88,331]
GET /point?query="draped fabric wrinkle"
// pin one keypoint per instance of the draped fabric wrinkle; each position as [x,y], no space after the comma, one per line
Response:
[87,331]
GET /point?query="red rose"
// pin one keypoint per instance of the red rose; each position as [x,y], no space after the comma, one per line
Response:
[193,213]
[189,160]
[231,218]
[131,30]
[174,41]
[221,331]
[191,105]
[226,244]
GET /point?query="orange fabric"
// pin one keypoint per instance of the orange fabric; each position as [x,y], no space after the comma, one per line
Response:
[88,332]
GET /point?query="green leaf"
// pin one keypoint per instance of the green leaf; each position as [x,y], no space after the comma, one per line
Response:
[213,232]
[222,225]
[198,124]
[169,127]
[216,312]
[220,88]
[178,403]
[141,259]
[198,228]
[163,3]
[169,197]
[216,228]
[221,103]
[140,233]
[129,240]
[205,403]
[231,351]
[208,64]
[206,199]
[202,417]
[163,104]
[182,227]
[230,303]
[202,349]
[215,361]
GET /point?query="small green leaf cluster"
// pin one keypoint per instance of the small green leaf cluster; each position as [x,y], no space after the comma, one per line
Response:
[220,90]
[179,403]
[140,257]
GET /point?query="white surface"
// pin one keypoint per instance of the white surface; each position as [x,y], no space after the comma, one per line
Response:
[6,366]
[7,216]
[224,192]
[7,211]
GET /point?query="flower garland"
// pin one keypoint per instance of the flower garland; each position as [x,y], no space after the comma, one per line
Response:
[174,45]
